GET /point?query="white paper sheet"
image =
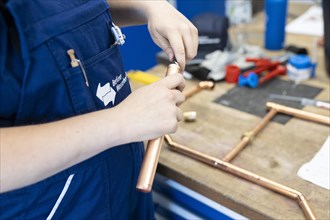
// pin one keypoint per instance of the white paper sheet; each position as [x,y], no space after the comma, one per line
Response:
[317,170]
[309,23]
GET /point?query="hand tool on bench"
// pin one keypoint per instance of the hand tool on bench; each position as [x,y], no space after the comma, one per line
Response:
[302,100]
[261,65]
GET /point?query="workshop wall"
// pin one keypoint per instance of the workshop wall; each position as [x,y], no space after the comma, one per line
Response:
[139,51]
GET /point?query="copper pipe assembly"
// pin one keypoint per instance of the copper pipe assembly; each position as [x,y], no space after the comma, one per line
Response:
[246,139]
[273,110]
[249,176]
[151,157]
[207,85]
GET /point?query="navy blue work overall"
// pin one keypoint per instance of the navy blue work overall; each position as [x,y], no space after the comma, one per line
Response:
[38,85]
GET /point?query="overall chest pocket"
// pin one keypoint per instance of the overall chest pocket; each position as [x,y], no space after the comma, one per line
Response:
[99,80]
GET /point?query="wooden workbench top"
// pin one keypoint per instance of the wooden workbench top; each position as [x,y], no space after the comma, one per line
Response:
[276,153]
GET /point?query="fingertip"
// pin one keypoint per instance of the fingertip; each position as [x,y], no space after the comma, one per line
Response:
[171,56]
[181,87]
[179,115]
[191,54]
[182,62]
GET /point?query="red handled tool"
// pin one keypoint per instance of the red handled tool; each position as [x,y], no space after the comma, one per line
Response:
[280,70]
[261,64]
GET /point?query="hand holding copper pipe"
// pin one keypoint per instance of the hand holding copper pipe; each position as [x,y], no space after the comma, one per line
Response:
[151,157]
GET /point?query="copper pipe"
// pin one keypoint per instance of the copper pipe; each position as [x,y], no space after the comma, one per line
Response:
[149,165]
[208,85]
[151,157]
[309,213]
[299,113]
[237,149]
[249,136]
[249,176]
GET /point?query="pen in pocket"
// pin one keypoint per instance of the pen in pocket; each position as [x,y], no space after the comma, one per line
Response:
[76,62]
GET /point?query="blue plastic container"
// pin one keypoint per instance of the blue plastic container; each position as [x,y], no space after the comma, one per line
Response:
[275,21]
[300,67]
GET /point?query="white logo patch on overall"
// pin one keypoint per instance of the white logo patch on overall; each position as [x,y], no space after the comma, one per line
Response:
[119,82]
[106,94]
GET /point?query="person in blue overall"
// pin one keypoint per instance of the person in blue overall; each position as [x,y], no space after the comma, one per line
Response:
[71,131]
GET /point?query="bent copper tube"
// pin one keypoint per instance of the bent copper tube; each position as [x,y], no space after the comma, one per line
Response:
[299,113]
[249,136]
[151,157]
[247,175]
[209,85]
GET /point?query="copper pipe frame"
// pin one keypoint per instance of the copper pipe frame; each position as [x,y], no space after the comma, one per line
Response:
[151,157]
[246,139]
[247,175]
[274,109]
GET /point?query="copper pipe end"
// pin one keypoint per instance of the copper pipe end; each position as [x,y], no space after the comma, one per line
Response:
[206,85]
[272,105]
[173,68]
[189,116]
[144,188]
[149,165]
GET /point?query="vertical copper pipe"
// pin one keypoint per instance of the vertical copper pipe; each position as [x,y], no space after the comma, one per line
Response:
[259,180]
[299,113]
[192,91]
[149,165]
[151,157]
[247,138]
